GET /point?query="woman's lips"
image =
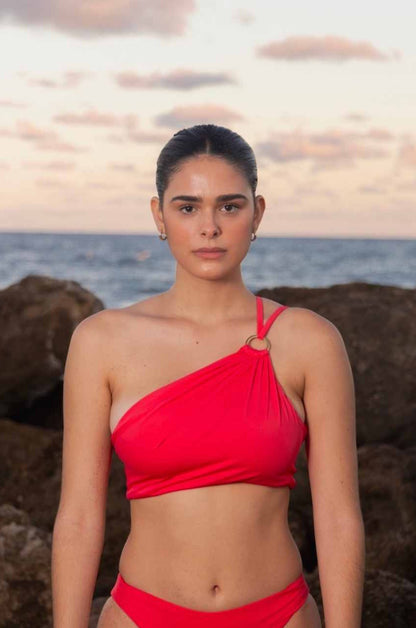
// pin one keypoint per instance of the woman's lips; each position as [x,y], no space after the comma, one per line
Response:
[209,254]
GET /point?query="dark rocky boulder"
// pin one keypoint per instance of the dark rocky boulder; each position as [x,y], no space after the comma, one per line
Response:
[387,484]
[387,479]
[30,479]
[37,317]
[389,601]
[25,583]
[378,325]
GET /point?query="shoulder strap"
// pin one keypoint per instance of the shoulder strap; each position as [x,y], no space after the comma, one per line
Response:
[262,329]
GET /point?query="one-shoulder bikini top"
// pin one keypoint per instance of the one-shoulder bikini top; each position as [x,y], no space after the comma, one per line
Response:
[229,421]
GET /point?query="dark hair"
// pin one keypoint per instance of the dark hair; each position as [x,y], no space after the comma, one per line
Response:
[207,139]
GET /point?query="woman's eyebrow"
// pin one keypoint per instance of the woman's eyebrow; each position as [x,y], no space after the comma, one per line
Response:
[198,199]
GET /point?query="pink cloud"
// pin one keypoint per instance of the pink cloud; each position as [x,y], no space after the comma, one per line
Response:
[197,114]
[6,133]
[52,165]
[371,189]
[12,104]
[327,48]
[146,137]
[176,79]
[96,118]
[407,155]
[333,145]
[406,187]
[101,185]
[61,147]
[68,79]
[356,117]
[81,18]
[244,17]
[51,183]
[32,133]
[43,139]
[122,167]
[379,134]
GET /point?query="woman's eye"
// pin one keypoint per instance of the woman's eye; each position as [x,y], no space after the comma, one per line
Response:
[230,205]
[184,207]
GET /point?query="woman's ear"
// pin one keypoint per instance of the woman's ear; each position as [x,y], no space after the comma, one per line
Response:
[157,213]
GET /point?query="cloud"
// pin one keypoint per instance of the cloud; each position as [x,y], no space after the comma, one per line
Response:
[96,118]
[371,189]
[6,132]
[176,79]
[101,185]
[378,134]
[407,155]
[406,187]
[51,183]
[68,80]
[356,117]
[139,137]
[327,48]
[12,104]
[52,165]
[101,17]
[244,17]
[197,114]
[308,190]
[61,147]
[30,132]
[327,147]
[43,139]
[122,167]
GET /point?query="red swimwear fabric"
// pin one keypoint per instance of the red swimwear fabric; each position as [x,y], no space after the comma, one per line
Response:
[149,611]
[229,421]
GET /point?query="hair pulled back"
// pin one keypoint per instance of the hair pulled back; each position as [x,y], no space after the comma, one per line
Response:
[208,139]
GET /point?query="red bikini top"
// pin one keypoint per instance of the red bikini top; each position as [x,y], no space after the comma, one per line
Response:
[229,421]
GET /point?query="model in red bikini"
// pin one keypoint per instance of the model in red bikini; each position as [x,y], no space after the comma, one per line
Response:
[206,393]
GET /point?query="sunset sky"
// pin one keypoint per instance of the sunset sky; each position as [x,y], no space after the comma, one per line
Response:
[324,92]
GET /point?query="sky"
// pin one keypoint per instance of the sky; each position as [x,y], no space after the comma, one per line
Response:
[324,93]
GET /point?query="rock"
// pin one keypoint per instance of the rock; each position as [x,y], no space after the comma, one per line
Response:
[25,585]
[376,323]
[387,480]
[30,470]
[388,600]
[300,513]
[387,484]
[30,478]
[96,608]
[37,317]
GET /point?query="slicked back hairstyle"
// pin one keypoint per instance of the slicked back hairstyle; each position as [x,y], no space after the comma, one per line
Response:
[205,139]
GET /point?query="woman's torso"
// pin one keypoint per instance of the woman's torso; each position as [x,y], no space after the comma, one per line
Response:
[211,547]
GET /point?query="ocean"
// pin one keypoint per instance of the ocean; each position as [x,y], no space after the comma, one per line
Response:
[123,269]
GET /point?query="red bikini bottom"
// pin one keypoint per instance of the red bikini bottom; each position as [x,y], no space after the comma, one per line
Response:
[149,611]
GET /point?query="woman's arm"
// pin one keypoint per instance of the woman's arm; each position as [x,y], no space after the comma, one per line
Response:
[329,400]
[78,533]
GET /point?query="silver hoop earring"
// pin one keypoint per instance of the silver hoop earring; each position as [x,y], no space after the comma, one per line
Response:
[253,234]
[163,236]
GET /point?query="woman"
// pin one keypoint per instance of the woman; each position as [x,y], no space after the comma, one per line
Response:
[206,392]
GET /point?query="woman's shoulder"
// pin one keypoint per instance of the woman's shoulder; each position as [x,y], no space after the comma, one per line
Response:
[111,319]
[306,324]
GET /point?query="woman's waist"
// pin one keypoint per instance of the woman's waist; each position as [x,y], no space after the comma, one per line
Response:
[201,560]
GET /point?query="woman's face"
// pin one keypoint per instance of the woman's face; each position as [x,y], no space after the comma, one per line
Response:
[194,214]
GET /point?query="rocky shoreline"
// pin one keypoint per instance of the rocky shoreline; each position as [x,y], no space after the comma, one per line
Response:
[378,324]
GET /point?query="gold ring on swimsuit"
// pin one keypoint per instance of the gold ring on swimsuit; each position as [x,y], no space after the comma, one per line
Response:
[250,338]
